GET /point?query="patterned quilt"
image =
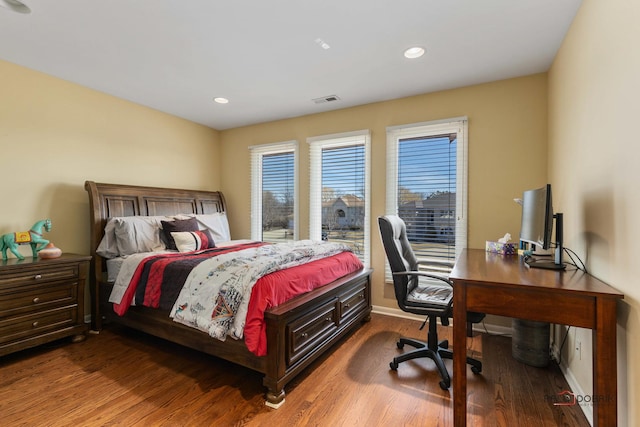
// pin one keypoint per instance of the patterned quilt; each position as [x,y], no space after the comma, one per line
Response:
[216,294]
[155,279]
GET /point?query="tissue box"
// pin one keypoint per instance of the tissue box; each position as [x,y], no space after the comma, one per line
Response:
[502,248]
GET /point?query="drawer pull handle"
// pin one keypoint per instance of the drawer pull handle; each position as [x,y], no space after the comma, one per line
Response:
[347,305]
[35,324]
[328,319]
[304,335]
[37,277]
[36,300]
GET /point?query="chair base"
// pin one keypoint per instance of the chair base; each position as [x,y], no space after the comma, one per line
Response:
[436,354]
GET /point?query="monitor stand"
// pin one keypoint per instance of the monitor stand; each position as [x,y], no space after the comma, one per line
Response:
[548,264]
[554,263]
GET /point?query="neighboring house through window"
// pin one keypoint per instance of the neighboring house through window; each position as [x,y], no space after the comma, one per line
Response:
[427,188]
[274,192]
[339,190]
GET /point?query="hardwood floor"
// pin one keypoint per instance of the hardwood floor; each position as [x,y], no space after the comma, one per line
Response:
[124,378]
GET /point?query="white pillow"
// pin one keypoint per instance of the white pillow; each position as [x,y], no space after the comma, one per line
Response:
[108,247]
[136,234]
[216,223]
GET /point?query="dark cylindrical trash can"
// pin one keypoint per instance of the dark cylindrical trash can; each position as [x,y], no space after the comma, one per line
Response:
[530,342]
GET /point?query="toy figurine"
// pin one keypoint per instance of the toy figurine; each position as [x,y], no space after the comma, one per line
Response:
[33,237]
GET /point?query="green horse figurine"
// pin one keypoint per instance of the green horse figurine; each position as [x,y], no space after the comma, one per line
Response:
[32,237]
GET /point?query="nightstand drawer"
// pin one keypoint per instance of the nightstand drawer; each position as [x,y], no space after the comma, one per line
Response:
[41,300]
[32,276]
[28,325]
[37,297]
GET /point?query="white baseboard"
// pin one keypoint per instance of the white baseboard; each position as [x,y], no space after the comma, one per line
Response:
[575,386]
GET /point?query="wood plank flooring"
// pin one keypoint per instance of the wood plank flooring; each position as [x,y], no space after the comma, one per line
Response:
[124,378]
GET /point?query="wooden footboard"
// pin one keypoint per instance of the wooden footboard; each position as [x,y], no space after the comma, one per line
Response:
[298,331]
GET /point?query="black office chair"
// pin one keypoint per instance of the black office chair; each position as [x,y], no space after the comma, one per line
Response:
[420,293]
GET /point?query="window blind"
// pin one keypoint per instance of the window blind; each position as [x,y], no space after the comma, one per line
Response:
[273,192]
[427,188]
[339,190]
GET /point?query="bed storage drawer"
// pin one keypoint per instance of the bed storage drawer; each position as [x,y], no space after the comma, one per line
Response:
[353,302]
[305,332]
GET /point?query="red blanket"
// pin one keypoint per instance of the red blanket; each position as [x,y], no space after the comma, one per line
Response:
[280,286]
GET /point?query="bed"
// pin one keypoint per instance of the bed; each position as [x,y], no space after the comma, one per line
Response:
[298,331]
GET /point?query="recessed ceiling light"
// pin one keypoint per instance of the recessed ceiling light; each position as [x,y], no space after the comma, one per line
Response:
[15,5]
[220,100]
[323,44]
[414,52]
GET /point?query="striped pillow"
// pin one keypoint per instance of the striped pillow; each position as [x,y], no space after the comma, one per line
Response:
[189,241]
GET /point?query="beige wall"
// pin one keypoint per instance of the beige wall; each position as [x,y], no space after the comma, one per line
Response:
[594,85]
[507,154]
[54,135]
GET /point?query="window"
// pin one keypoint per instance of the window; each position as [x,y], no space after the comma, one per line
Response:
[339,205]
[427,188]
[273,192]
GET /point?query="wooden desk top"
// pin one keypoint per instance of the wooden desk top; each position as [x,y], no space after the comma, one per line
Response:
[481,267]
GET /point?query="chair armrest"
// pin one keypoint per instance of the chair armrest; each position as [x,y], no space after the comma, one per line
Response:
[424,274]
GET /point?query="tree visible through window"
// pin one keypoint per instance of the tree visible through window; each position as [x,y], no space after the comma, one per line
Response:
[273,190]
[277,197]
[339,191]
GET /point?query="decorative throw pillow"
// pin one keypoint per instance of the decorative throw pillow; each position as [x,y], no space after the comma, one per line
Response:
[178,225]
[189,241]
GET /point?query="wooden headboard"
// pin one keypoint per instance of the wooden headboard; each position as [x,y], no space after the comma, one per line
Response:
[111,200]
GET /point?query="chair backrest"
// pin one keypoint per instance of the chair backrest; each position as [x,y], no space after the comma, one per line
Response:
[393,232]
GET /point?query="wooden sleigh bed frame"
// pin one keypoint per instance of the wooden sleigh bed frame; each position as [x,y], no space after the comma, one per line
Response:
[298,331]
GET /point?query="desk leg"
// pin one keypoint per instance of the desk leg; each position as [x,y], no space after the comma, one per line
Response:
[459,355]
[605,375]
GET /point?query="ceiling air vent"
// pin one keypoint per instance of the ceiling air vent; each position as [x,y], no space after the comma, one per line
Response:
[324,99]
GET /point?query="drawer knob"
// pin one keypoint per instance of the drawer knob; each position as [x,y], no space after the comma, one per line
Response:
[36,300]
[37,276]
[328,319]
[304,335]
[35,324]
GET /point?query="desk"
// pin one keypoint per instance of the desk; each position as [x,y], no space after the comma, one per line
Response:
[505,286]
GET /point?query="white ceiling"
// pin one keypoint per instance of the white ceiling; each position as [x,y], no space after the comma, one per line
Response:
[264,55]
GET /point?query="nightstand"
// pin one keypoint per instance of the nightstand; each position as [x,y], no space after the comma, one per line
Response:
[41,300]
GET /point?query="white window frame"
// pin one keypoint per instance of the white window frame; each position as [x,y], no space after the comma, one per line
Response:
[458,125]
[257,154]
[316,145]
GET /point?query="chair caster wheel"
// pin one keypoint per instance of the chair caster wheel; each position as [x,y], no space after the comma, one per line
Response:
[393,366]
[400,345]
[476,369]
[444,385]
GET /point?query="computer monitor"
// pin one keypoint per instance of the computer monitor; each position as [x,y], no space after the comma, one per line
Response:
[537,227]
